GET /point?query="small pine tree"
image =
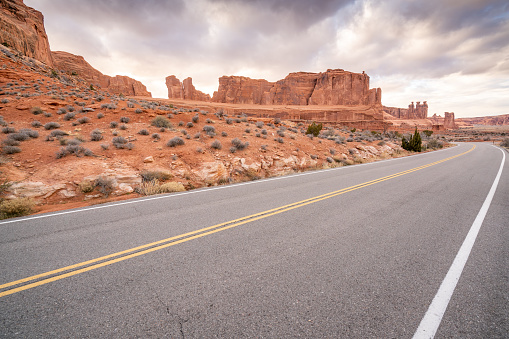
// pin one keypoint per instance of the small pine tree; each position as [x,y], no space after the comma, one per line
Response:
[314,129]
[414,144]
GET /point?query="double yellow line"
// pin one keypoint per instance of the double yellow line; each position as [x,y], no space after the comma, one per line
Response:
[68,271]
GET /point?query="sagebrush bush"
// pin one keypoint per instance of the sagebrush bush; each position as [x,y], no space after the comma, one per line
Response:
[143,132]
[19,136]
[161,122]
[7,130]
[195,118]
[16,207]
[113,124]
[36,110]
[105,185]
[216,144]
[51,125]
[69,116]
[96,135]
[119,142]
[505,142]
[7,149]
[58,133]
[124,120]
[74,149]
[155,187]
[176,141]
[86,186]
[36,124]
[155,175]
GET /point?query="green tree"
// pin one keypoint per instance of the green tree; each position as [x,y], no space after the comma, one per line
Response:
[314,129]
[414,144]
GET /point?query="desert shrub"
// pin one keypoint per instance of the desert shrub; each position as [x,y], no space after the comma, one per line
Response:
[51,125]
[7,149]
[143,132]
[105,146]
[36,124]
[229,121]
[259,124]
[314,129]
[216,144]
[224,134]
[119,142]
[30,132]
[16,208]
[209,129]
[237,143]
[138,110]
[155,187]
[96,135]
[105,185]
[57,133]
[189,124]
[83,120]
[161,122]
[209,121]
[435,144]
[7,130]
[73,149]
[100,115]
[123,127]
[156,136]
[86,186]
[10,142]
[329,160]
[332,151]
[281,133]
[113,124]
[69,116]
[19,136]
[36,110]
[280,140]
[505,142]
[176,141]
[247,130]
[5,101]
[155,175]
[195,118]
[124,120]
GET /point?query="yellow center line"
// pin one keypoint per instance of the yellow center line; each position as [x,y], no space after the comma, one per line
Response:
[164,243]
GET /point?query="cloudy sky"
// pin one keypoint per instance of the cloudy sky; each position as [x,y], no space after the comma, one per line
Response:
[452,53]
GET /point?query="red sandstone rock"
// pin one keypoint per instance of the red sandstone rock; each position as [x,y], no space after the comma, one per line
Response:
[295,89]
[119,84]
[449,120]
[175,88]
[190,93]
[419,111]
[22,29]
[242,90]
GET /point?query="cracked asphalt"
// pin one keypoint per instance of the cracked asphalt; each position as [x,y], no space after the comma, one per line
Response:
[362,264]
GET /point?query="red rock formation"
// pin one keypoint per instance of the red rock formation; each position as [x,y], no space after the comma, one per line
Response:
[449,120]
[295,89]
[175,88]
[119,84]
[190,93]
[22,29]
[497,120]
[242,90]
[184,90]
[419,111]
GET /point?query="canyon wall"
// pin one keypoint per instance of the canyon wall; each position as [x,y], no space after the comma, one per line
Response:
[77,65]
[22,29]
[333,87]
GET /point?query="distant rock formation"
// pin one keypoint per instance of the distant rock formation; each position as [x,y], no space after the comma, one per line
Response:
[497,120]
[77,65]
[22,29]
[184,90]
[417,111]
[333,87]
[449,120]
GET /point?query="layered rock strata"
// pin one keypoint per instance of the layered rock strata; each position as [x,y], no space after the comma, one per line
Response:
[119,84]
[333,87]
[417,111]
[22,29]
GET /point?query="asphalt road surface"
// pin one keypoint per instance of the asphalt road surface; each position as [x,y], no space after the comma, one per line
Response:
[353,252]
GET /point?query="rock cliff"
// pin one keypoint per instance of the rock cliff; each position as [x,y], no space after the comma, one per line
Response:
[184,90]
[22,29]
[77,65]
[417,111]
[333,87]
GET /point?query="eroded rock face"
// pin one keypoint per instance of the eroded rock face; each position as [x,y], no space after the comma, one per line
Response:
[119,84]
[449,120]
[22,29]
[184,90]
[333,87]
[417,111]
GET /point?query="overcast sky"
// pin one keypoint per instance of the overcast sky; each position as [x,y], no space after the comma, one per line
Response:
[452,53]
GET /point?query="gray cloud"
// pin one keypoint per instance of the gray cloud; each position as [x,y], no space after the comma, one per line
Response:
[417,42]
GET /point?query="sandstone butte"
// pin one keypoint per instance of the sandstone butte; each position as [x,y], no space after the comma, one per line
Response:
[77,65]
[22,30]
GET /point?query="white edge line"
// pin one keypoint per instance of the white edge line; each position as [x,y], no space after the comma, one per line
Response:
[433,317]
[133,201]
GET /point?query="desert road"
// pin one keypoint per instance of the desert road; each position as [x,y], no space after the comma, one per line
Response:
[411,247]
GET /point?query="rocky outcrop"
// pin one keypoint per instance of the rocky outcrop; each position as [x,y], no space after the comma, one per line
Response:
[22,29]
[417,111]
[497,120]
[333,87]
[184,90]
[242,90]
[119,84]
[449,120]
[338,87]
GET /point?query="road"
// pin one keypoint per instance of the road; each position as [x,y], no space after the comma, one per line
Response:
[353,252]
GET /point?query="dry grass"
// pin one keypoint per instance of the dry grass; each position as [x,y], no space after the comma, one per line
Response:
[155,187]
[16,207]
